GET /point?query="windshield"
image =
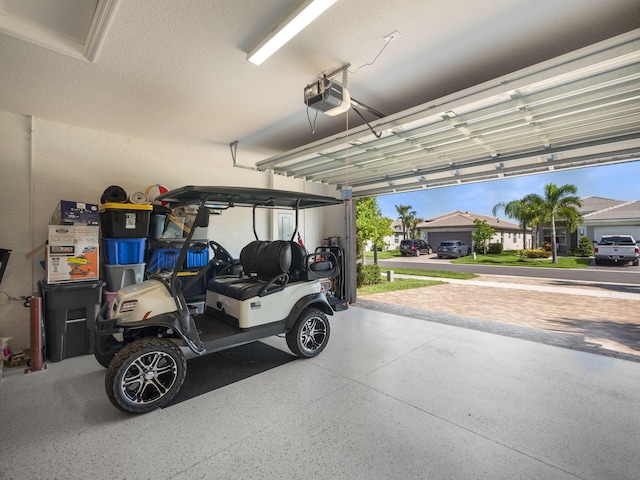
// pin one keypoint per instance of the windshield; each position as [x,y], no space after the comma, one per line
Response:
[617,241]
[447,244]
[179,222]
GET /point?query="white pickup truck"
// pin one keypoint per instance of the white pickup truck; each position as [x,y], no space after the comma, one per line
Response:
[617,248]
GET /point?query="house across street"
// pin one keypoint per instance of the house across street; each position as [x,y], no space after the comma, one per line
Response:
[601,216]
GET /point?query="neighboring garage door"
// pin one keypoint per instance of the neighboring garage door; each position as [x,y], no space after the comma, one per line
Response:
[615,230]
[434,238]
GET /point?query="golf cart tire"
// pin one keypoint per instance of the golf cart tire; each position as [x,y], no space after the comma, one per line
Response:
[310,334]
[103,360]
[145,375]
[109,344]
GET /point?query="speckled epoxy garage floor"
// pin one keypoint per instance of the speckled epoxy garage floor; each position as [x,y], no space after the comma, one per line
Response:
[390,397]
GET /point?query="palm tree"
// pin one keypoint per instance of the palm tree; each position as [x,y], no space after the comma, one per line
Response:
[527,211]
[561,203]
[406,216]
[534,215]
[515,209]
[413,226]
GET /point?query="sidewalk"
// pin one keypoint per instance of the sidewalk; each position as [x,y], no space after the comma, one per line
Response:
[602,318]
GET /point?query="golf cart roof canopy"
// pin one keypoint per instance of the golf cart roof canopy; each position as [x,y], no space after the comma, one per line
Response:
[227,197]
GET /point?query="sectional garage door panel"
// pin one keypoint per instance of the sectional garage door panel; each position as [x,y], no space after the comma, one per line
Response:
[434,238]
[617,230]
[574,111]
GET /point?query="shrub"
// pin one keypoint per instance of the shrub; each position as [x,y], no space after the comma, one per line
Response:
[546,246]
[495,248]
[368,274]
[585,247]
[529,253]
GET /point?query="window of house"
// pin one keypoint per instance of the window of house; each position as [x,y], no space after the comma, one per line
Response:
[561,235]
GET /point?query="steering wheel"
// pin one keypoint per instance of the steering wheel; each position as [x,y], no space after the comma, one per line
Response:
[221,256]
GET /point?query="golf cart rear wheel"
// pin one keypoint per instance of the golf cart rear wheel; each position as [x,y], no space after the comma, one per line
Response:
[145,375]
[310,333]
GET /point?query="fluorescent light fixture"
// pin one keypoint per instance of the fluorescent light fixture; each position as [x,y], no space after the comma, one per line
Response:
[307,12]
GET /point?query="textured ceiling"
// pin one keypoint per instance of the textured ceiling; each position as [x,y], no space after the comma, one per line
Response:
[176,72]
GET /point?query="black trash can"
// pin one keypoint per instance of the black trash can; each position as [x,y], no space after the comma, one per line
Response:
[70,311]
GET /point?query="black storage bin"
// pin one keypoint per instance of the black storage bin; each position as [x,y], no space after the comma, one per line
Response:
[70,311]
[124,220]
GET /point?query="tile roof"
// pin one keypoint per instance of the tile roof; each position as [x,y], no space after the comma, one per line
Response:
[594,204]
[623,210]
[459,218]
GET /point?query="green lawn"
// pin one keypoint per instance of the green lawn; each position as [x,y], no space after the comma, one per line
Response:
[513,260]
[384,255]
[431,273]
[398,284]
[506,259]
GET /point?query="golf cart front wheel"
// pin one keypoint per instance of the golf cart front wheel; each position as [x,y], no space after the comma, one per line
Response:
[310,334]
[145,375]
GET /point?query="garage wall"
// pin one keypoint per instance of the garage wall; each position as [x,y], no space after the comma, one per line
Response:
[15,180]
[44,162]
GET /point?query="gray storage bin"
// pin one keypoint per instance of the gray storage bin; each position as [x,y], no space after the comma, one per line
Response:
[120,276]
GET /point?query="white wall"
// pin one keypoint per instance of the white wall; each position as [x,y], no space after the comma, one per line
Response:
[43,162]
[15,224]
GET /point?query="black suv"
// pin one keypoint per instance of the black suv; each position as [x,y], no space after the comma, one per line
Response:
[414,247]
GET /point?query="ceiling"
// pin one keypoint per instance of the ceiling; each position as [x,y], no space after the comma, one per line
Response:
[176,73]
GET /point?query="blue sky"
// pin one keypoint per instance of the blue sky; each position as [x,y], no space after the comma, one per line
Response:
[620,181]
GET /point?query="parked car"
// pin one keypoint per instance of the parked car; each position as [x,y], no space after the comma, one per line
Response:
[415,247]
[453,249]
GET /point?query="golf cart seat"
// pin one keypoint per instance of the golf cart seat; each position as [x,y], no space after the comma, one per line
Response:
[306,267]
[265,265]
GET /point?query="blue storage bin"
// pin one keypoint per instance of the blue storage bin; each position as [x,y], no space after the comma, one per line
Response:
[165,258]
[197,258]
[124,251]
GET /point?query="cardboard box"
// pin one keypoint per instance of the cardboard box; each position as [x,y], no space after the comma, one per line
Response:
[75,213]
[72,253]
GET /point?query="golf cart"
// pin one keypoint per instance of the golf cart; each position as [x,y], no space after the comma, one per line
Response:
[275,288]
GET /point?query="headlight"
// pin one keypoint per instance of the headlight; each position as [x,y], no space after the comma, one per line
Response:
[128,306]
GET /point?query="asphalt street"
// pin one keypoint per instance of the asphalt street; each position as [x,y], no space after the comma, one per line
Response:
[626,274]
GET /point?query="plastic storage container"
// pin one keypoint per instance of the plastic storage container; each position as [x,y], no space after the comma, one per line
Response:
[120,276]
[123,251]
[108,298]
[197,258]
[70,311]
[125,220]
[156,226]
[167,258]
